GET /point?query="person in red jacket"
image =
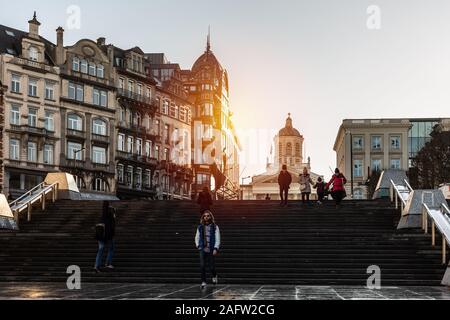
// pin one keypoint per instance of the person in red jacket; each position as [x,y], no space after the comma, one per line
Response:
[338,190]
[284,181]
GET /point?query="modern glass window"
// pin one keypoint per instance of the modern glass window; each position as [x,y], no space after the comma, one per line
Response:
[130,144]
[357,168]
[48,154]
[99,155]
[32,152]
[32,87]
[99,127]
[34,53]
[74,122]
[49,121]
[120,173]
[14,149]
[376,142]
[100,97]
[395,142]
[15,83]
[74,150]
[139,146]
[32,117]
[49,91]
[84,66]
[100,71]
[92,69]
[358,142]
[395,163]
[376,165]
[76,64]
[121,142]
[76,92]
[15,115]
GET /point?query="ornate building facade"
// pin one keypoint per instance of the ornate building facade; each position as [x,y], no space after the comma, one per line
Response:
[216,146]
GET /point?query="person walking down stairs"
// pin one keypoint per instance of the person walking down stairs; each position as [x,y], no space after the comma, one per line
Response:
[205,200]
[320,187]
[284,181]
[105,232]
[207,241]
[305,185]
[338,190]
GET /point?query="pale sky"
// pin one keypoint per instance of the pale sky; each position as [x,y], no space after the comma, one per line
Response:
[315,59]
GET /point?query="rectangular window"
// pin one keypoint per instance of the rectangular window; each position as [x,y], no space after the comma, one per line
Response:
[376,142]
[120,173]
[15,115]
[15,83]
[32,152]
[146,179]
[358,142]
[139,89]
[121,83]
[48,154]
[76,64]
[130,85]
[183,114]
[92,69]
[139,146]
[207,110]
[99,155]
[74,151]
[14,149]
[99,97]
[74,122]
[32,117]
[103,99]
[130,145]
[395,163]
[357,168]
[32,87]
[157,152]
[376,165]
[395,142]
[138,178]
[166,154]
[121,142]
[165,107]
[148,148]
[49,121]
[49,91]
[76,92]
[100,71]
[129,176]
[84,66]
[96,97]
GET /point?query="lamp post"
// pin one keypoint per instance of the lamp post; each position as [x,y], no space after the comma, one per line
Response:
[351,162]
[75,154]
[243,180]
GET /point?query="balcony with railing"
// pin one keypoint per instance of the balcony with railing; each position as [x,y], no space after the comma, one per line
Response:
[123,93]
[34,65]
[31,130]
[100,166]
[76,134]
[100,138]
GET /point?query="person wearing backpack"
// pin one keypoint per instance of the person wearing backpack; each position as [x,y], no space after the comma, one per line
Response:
[105,232]
[338,190]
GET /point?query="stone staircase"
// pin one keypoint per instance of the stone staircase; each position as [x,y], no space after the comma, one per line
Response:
[262,243]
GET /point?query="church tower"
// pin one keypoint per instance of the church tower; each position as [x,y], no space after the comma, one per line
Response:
[289,147]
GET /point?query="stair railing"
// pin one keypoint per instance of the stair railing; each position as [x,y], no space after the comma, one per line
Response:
[396,194]
[36,195]
[440,219]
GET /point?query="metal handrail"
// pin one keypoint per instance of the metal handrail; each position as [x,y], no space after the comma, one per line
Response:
[443,225]
[398,195]
[408,185]
[28,193]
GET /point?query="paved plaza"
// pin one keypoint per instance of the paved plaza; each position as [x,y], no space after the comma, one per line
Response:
[58,291]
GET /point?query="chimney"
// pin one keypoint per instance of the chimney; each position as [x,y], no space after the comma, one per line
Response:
[60,46]
[33,26]
[101,41]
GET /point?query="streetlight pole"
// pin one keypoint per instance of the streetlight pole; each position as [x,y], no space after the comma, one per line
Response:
[351,163]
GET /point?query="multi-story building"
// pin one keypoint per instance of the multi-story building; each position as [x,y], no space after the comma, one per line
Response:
[88,114]
[216,146]
[366,145]
[174,125]
[137,124]
[2,126]
[31,139]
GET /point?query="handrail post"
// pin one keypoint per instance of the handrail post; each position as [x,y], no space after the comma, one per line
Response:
[444,250]
[43,201]
[396,201]
[433,233]
[56,191]
[426,225]
[29,211]
[423,218]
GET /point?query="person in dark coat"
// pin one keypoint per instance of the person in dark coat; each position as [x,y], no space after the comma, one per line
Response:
[205,200]
[320,186]
[284,181]
[108,220]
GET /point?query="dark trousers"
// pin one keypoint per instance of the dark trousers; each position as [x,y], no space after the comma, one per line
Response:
[338,196]
[320,196]
[284,191]
[207,258]
[305,197]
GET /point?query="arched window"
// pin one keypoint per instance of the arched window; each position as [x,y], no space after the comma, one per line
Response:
[99,185]
[80,182]
[99,127]
[297,150]
[34,54]
[289,149]
[74,122]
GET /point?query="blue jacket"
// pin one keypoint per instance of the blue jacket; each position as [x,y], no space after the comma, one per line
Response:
[214,242]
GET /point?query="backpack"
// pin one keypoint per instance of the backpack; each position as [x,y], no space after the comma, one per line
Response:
[100,231]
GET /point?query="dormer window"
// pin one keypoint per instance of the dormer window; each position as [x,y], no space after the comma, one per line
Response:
[34,54]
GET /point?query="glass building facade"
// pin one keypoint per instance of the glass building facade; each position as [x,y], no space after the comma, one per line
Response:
[419,135]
